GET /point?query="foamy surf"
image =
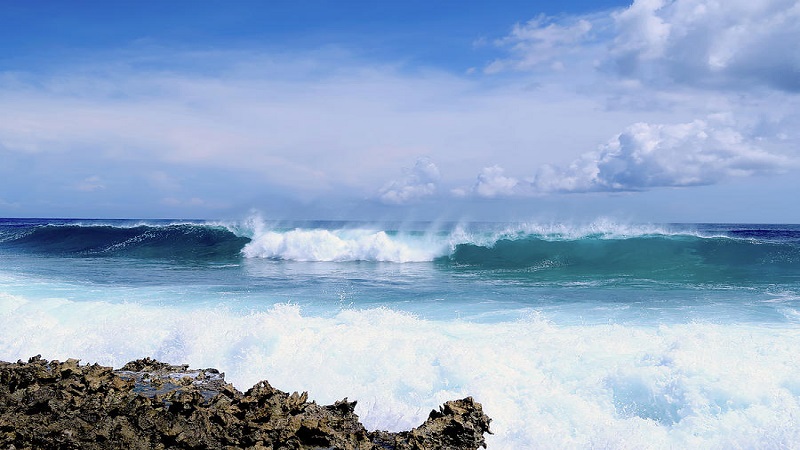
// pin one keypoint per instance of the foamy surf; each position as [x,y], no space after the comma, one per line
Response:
[343,245]
[544,384]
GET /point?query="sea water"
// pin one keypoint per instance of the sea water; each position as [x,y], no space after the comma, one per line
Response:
[597,335]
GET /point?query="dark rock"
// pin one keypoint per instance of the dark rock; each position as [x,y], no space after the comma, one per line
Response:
[152,405]
[458,424]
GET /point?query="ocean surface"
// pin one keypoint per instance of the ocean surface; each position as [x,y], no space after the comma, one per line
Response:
[596,335]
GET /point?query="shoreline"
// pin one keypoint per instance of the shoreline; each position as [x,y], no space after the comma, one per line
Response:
[148,404]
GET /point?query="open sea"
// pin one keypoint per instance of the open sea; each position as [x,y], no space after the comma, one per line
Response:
[597,335]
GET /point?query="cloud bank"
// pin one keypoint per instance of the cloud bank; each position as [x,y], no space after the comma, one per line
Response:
[660,54]
[646,156]
[735,44]
[642,157]
[728,44]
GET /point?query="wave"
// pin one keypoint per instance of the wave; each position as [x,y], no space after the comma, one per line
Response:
[422,243]
[595,250]
[677,256]
[712,254]
[170,241]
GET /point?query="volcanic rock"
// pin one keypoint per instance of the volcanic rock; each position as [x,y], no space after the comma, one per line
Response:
[152,405]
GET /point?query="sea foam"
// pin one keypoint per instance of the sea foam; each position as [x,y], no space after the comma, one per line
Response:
[343,245]
[545,384]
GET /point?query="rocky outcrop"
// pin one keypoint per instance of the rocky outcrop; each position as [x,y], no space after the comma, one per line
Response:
[151,405]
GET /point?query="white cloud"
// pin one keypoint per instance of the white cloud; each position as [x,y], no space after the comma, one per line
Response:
[647,156]
[736,44]
[492,182]
[540,41]
[342,125]
[315,126]
[709,43]
[417,183]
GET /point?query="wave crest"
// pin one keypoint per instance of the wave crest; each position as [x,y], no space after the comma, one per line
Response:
[342,245]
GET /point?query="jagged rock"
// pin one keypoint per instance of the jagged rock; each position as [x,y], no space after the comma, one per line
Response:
[458,424]
[149,405]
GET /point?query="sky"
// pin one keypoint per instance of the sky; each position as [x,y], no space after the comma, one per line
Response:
[650,111]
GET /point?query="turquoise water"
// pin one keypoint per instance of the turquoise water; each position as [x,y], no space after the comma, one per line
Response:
[570,335]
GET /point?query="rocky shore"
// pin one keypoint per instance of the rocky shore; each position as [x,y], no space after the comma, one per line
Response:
[152,405]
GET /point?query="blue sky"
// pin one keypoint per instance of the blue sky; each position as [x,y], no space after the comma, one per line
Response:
[659,111]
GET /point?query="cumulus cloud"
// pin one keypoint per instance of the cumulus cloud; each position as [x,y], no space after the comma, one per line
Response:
[702,43]
[320,125]
[417,183]
[708,43]
[492,182]
[647,156]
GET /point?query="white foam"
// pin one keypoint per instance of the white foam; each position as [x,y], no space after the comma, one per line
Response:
[545,385]
[358,242]
[603,228]
[342,245]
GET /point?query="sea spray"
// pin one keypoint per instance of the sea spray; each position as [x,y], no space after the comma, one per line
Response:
[342,245]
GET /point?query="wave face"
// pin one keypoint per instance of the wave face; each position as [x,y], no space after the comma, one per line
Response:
[666,257]
[167,241]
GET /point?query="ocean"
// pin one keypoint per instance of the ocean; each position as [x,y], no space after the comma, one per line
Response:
[594,335]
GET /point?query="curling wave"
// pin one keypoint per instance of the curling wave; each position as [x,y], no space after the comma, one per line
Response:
[170,241]
[698,253]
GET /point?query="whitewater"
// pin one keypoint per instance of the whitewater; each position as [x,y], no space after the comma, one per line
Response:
[596,335]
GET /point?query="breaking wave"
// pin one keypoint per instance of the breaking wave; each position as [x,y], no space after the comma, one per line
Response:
[697,253]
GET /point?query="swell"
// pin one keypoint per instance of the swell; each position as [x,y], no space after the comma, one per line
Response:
[663,257]
[175,241]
